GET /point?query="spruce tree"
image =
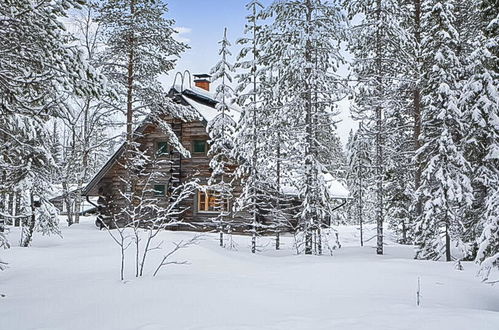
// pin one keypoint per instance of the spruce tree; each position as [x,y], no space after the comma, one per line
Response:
[376,44]
[445,190]
[139,48]
[399,181]
[360,178]
[221,130]
[480,100]
[306,53]
[249,137]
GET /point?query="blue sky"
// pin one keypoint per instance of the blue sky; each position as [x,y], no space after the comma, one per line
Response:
[201,24]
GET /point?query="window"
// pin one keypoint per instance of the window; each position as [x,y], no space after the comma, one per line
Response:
[159,190]
[162,148]
[199,146]
[208,202]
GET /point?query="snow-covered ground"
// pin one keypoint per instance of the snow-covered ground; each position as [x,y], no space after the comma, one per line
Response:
[73,283]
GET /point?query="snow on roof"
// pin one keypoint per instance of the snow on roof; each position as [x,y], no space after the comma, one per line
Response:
[195,90]
[208,112]
[336,189]
[201,91]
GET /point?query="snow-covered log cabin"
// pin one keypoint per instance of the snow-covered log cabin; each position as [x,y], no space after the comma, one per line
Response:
[107,184]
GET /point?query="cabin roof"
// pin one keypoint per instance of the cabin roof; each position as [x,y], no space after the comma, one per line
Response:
[110,162]
[202,101]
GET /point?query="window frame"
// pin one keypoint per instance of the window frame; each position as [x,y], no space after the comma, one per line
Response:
[208,194]
[162,154]
[163,190]
[204,152]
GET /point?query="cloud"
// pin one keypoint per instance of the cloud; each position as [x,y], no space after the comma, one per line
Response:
[183,29]
[181,32]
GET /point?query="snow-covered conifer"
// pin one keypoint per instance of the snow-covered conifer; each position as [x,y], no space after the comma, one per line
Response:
[39,70]
[377,42]
[480,101]
[360,178]
[305,50]
[139,48]
[399,175]
[248,136]
[445,189]
[221,130]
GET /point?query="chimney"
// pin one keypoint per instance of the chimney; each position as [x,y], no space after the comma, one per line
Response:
[202,81]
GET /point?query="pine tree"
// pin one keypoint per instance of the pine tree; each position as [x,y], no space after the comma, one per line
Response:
[248,135]
[360,178]
[414,27]
[221,130]
[480,100]
[377,41]
[305,46]
[139,48]
[399,181]
[89,120]
[39,70]
[445,188]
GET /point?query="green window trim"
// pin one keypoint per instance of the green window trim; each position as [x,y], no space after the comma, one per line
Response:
[199,146]
[162,148]
[159,190]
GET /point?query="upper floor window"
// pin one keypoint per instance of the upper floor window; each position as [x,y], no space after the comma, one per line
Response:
[199,146]
[162,148]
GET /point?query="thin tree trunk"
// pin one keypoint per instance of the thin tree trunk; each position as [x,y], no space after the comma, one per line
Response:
[83,173]
[255,142]
[309,218]
[67,202]
[130,80]
[379,137]
[361,189]
[404,232]
[18,204]
[361,220]
[31,226]
[129,155]
[417,105]
[278,180]
[10,206]
[146,250]
[77,207]
[447,240]
[122,265]
[137,251]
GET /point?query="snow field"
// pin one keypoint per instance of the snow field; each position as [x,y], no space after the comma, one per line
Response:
[73,283]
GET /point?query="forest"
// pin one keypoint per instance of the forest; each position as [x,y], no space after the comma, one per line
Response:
[421,78]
